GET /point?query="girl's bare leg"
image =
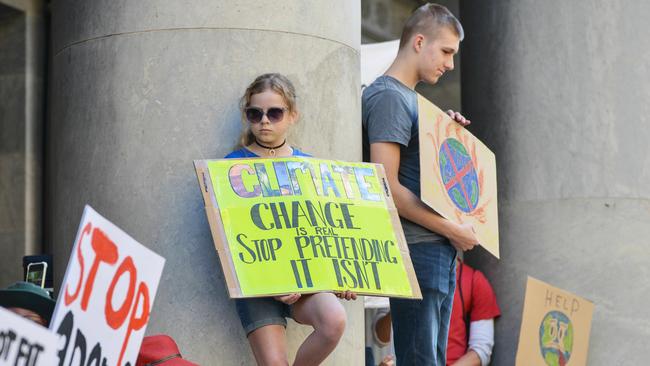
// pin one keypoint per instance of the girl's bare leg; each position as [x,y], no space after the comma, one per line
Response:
[269,345]
[325,313]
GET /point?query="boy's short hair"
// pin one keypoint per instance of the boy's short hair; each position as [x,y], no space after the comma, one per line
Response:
[428,19]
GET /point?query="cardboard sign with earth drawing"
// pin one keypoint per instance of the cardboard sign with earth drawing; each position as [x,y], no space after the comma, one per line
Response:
[555,327]
[458,174]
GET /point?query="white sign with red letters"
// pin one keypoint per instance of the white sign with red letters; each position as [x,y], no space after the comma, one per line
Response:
[23,342]
[106,296]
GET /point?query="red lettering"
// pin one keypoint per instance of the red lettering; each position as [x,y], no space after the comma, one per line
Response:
[115,319]
[105,251]
[136,323]
[68,299]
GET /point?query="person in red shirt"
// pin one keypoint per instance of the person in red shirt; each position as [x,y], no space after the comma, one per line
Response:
[471,330]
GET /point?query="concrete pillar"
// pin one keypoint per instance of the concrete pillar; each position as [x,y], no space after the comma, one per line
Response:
[12,143]
[141,88]
[36,55]
[22,59]
[558,89]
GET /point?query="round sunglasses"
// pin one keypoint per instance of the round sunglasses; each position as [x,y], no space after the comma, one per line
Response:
[255,115]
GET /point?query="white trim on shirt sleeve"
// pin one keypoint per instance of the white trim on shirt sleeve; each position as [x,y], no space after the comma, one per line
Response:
[481,339]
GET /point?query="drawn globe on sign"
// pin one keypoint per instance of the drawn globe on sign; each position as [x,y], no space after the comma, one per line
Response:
[459,175]
[556,338]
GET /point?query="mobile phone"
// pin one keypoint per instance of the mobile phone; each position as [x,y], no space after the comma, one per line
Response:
[36,273]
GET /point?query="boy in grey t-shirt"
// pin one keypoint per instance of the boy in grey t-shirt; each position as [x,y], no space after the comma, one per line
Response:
[429,41]
[395,119]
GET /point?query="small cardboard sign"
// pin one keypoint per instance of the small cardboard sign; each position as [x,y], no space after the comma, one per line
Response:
[23,342]
[555,327]
[303,225]
[458,176]
[106,296]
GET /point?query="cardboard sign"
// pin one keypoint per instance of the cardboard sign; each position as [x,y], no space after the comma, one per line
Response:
[458,174]
[302,225]
[106,296]
[23,342]
[555,327]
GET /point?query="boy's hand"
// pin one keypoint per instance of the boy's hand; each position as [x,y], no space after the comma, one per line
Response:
[456,116]
[463,237]
[348,295]
[288,299]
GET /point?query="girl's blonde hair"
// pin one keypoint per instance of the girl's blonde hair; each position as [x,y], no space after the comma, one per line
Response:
[275,82]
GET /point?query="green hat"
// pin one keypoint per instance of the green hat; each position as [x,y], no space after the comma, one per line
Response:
[28,296]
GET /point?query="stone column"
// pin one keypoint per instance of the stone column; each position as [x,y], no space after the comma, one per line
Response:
[12,143]
[35,57]
[141,88]
[559,90]
[22,50]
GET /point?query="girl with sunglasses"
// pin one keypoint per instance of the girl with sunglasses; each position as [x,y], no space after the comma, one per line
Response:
[268,111]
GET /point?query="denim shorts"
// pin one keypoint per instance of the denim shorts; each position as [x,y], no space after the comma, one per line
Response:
[257,312]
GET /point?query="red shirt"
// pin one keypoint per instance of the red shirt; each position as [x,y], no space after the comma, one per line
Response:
[480,304]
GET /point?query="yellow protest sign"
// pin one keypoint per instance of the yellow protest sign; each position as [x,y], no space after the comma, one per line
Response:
[458,176]
[555,327]
[305,225]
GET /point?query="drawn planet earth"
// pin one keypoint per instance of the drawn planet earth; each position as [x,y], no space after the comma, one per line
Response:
[556,338]
[459,175]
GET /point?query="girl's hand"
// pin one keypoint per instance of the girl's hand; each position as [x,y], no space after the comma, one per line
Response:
[288,299]
[348,295]
[388,361]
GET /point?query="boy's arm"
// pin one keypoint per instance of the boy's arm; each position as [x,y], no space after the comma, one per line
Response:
[410,207]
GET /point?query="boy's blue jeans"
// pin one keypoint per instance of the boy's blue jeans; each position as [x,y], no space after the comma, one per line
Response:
[420,327]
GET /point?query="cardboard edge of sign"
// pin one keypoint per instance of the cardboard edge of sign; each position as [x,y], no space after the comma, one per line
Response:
[214,221]
[54,320]
[225,256]
[399,233]
[494,251]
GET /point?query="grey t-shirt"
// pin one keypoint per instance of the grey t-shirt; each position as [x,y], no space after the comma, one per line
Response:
[389,113]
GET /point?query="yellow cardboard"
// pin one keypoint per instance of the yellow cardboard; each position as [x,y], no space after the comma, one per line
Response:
[458,174]
[303,225]
[555,327]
